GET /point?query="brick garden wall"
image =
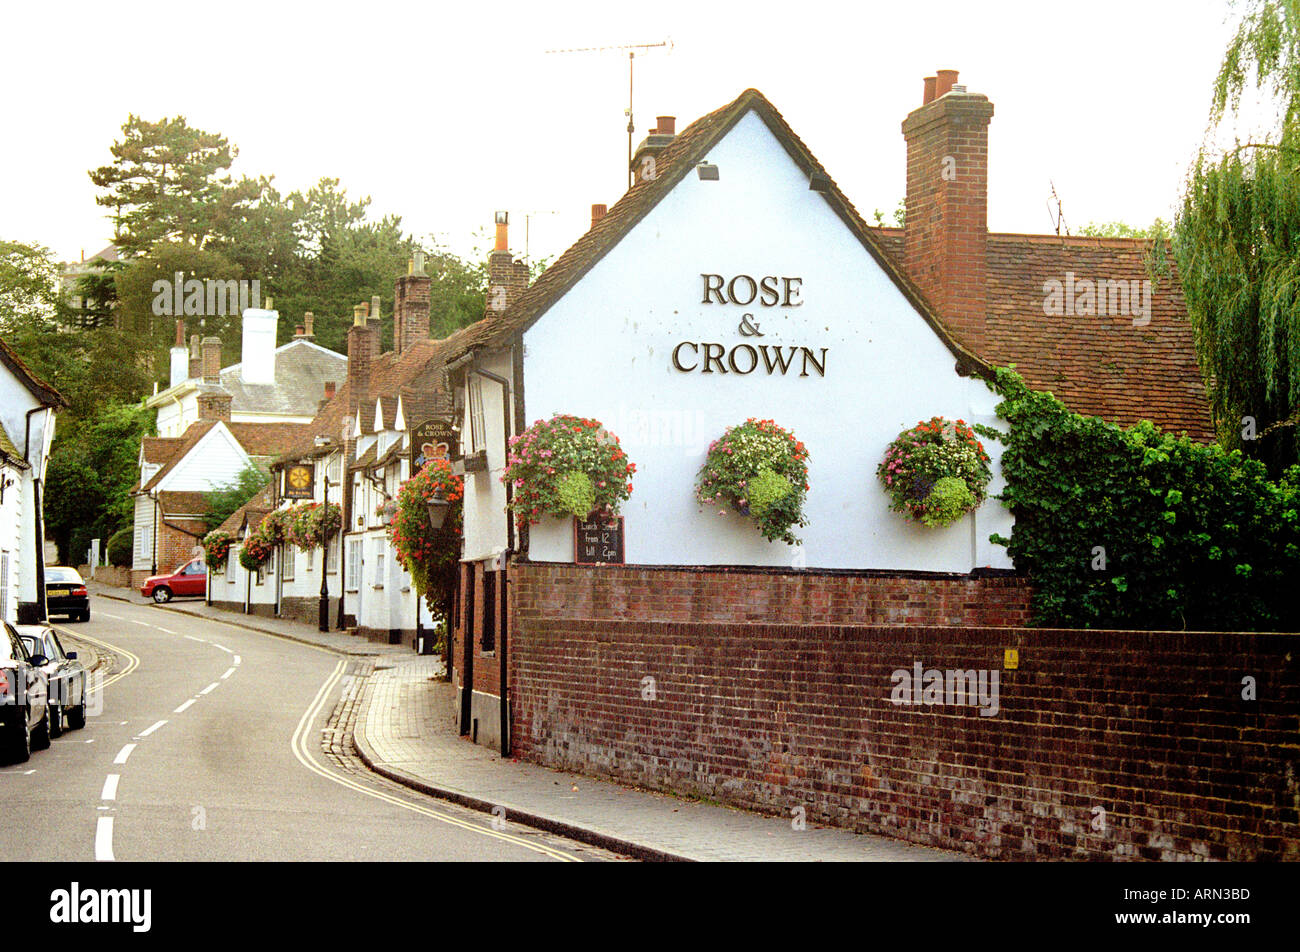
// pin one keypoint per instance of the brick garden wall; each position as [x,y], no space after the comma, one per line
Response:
[1150,727]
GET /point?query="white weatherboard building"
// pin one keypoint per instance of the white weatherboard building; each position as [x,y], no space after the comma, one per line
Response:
[27,409]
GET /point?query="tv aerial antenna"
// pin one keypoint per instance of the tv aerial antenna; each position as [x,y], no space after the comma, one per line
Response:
[631,60]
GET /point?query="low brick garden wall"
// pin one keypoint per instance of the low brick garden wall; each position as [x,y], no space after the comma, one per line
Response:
[1104,744]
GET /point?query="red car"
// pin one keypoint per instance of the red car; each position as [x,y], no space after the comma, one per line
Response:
[190,579]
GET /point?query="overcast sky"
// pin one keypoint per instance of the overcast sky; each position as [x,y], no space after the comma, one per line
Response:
[443,114]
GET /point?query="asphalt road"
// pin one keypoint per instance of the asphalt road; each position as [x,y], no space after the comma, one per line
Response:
[207,746]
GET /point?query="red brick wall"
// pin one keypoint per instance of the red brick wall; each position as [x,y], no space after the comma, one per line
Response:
[487,665]
[1145,733]
[552,590]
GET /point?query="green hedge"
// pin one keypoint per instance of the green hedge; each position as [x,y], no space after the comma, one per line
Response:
[119,546]
[1131,528]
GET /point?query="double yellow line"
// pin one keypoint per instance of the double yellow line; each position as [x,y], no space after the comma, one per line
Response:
[302,750]
[132,661]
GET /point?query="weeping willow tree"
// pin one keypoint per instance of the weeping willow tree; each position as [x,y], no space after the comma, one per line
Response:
[1236,238]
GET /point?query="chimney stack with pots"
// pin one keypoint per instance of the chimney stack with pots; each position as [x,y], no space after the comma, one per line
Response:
[644,158]
[945,234]
[212,360]
[196,358]
[180,357]
[411,297]
[308,319]
[360,350]
[597,213]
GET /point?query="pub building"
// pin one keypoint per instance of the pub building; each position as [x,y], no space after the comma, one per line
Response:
[733,281]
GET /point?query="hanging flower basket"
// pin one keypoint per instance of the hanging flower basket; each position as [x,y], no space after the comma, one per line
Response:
[254,553]
[310,525]
[566,466]
[759,470]
[432,556]
[216,547]
[936,472]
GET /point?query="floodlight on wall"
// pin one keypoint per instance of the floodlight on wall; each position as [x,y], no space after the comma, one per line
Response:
[819,181]
[707,172]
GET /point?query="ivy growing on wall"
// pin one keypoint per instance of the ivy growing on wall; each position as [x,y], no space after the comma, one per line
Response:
[1132,528]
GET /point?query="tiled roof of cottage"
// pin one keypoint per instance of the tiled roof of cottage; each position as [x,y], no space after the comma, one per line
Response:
[255,510]
[160,449]
[1102,366]
[183,503]
[415,375]
[1099,365]
[9,451]
[42,391]
[260,440]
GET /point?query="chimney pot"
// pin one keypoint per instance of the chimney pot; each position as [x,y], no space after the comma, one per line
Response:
[297,330]
[667,125]
[597,213]
[945,80]
[359,315]
[308,319]
[180,333]
[329,389]
[928,96]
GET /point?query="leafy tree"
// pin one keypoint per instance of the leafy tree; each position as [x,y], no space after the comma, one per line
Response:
[225,499]
[1118,229]
[1236,239]
[167,183]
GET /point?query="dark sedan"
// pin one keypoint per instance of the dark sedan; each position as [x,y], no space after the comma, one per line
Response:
[65,593]
[66,676]
[24,699]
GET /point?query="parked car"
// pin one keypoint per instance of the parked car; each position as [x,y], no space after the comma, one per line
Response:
[190,579]
[65,676]
[65,593]
[24,704]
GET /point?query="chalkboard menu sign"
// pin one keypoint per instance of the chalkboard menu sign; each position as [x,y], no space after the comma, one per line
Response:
[598,541]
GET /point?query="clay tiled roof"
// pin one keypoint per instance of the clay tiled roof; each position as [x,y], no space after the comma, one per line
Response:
[672,164]
[183,503]
[46,395]
[185,443]
[254,510]
[261,440]
[416,375]
[10,452]
[1101,366]
[160,449]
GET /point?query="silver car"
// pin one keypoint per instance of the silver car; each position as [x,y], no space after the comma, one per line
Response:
[66,676]
[24,699]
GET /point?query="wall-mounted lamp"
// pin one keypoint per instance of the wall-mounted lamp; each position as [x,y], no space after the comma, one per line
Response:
[707,172]
[438,507]
[819,181]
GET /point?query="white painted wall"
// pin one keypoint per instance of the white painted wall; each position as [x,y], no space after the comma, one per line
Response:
[32,436]
[604,351]
[257,360]
[214,461]
[485,497]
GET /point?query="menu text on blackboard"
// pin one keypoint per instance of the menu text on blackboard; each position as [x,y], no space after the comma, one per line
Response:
[598,541]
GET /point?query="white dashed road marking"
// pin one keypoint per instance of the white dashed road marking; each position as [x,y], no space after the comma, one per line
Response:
[184,707]
[124,753]
[104,840]
[222,647]
[147,731]
[237,659]
[192,638]
[229,672]
[110,787]
[211,687]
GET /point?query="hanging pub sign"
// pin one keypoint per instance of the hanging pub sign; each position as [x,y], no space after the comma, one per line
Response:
[432,439]
[300,481]
[598,541]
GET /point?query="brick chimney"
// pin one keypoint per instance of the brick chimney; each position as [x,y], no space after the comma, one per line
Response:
[374,319]
[215,404]
[501,277]
[308,319]
[411,305]
[196,359]
[329,395]
[212,360]
[643,168]
[360,353]
[945,233]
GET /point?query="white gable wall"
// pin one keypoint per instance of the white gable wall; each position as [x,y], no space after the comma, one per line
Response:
[604,350]
[212,462]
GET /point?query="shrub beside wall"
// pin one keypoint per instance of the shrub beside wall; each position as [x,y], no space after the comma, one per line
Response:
[1132,528]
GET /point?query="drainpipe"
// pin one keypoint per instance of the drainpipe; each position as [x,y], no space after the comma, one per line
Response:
[323,614]
[38,512]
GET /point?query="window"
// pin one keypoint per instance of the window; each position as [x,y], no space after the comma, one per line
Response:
[332,557]
[379,563]
[477,428]
[4,583]
[353,577]
[288,558]
[230,565]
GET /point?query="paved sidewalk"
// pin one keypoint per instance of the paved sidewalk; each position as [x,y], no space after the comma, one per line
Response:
[405,731]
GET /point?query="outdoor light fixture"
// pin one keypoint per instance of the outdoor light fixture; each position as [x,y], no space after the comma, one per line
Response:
[708,173]
[819,182]
[438,507]
[503,218]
